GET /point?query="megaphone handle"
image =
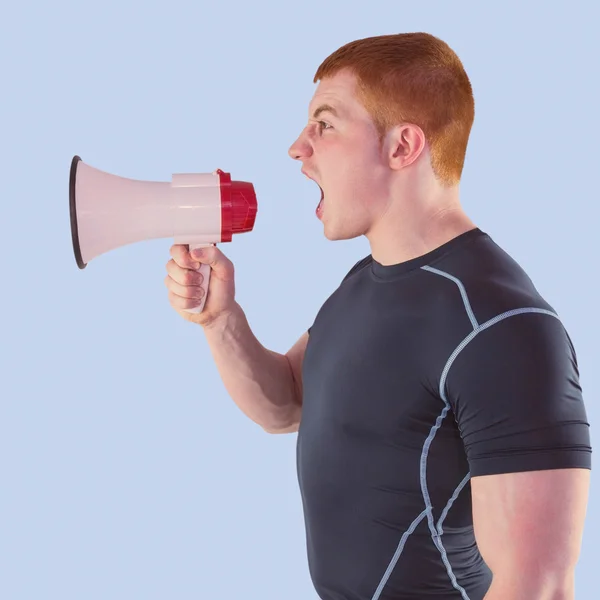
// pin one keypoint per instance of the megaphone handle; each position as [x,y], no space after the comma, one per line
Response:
[205,270]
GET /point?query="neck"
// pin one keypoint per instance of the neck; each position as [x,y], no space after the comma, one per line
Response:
[402,234]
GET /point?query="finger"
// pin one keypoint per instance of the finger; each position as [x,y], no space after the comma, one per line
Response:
[182,303]
[185,291]
[183,276]
[181,255]
[219,263]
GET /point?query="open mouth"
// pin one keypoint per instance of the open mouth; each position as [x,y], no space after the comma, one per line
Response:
[319,209]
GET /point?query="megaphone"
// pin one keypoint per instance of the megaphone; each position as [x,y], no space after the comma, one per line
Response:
[198,209]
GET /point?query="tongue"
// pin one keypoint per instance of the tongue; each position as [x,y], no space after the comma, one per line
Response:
[320,205]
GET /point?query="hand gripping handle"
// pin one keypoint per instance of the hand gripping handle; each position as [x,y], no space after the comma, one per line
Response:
[205,271]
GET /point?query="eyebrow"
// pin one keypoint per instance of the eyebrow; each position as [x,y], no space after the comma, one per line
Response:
[325,108]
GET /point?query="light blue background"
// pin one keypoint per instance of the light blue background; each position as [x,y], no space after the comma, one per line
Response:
[127,471]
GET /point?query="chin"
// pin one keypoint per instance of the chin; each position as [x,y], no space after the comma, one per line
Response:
[336,235]
[345,229]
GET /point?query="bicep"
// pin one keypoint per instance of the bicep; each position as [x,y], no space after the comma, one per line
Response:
[515,393]
[530,521]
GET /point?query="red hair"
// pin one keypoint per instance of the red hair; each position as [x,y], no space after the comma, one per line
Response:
[413,78]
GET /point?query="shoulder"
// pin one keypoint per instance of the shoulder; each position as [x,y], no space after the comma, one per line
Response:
[513,385]
[358,266]
[490,281]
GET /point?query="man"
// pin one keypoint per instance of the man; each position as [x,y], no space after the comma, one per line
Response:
[443,446]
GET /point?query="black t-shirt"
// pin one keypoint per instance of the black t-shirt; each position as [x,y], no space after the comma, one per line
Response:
[417,377]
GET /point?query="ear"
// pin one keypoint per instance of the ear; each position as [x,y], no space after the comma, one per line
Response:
[405,143]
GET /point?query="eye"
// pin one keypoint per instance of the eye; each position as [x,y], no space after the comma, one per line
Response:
[323,125]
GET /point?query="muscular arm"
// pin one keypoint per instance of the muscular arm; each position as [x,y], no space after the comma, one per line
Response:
[529,528]
[265,385]
[518,401]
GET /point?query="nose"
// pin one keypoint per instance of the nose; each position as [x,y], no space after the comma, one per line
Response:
[300,149]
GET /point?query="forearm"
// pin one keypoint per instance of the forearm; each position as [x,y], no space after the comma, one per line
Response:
[258,380]
[524,587]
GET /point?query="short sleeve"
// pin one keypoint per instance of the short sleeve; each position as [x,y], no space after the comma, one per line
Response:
[517,399]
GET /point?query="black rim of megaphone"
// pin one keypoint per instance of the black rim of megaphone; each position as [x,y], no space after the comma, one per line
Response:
[73,211]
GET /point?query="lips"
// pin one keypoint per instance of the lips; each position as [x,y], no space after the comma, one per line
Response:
[319,209]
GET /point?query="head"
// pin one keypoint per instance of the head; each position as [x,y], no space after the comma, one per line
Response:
[389,123]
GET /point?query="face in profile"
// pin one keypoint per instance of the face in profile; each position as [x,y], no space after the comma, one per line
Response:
[339,149]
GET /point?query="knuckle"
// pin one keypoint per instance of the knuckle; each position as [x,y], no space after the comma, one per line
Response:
[174,299]
[189,277]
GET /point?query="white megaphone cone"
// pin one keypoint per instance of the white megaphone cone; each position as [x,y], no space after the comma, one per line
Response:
[198,209]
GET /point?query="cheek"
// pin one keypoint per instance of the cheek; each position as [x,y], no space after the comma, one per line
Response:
[355,182]
[349,172]
[350,178]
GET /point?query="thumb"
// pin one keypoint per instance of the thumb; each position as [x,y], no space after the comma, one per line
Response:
[219,263]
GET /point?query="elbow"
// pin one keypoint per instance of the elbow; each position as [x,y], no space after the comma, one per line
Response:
[290,424]
[540,584]
[282,429]
[283,426]
[286,417]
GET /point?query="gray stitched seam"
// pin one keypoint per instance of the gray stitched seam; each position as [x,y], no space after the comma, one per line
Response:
[463,292]
[448,506]
[397,554]
[436,532]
